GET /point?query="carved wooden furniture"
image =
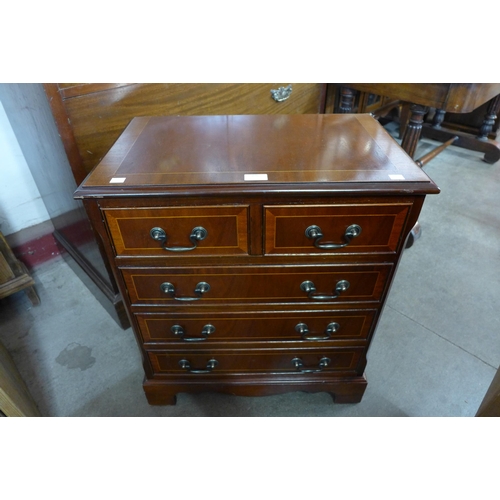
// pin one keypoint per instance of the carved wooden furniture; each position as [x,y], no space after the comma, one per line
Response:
[254,253]
[445,98]
[91,116]
[15,399]
[14,277]
[482,123]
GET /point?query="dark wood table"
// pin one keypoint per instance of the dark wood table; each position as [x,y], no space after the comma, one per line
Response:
[445,98]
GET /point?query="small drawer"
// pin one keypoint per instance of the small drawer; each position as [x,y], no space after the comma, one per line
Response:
[179,231]
[255,284]
[333,229]
[198,363]
[290,327]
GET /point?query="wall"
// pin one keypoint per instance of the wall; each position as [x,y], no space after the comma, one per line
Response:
[20,203]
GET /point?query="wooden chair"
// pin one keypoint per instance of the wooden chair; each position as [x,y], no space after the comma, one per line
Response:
[14,276]
[15,399]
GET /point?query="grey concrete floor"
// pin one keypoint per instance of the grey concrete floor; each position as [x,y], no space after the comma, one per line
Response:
[435,351]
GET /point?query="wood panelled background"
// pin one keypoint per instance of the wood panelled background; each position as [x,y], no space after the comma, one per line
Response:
[91,116]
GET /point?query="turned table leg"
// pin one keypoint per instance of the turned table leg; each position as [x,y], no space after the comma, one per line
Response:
[409,144]
[414,128]
[489,119]
[346,102]
[438,118]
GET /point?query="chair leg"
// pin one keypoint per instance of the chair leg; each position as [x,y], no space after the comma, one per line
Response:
[32,295]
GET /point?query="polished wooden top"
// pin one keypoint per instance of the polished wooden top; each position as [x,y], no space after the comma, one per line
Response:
[160,154]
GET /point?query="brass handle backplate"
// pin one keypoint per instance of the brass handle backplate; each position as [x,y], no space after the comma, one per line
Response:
[197,234]
[315,233]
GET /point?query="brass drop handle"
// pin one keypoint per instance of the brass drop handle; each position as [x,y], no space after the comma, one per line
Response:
[303,330]
[315,233]
[197,234]
[310,289]
[169,289]
[299,364]
[179,331]
[282,93]
[186,365]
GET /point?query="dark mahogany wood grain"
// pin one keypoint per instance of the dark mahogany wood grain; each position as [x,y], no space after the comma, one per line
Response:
[259,326]
[380,227]
[243,362]
[256,283]
[219,150]
[343,389]
[332,171]
[227,230]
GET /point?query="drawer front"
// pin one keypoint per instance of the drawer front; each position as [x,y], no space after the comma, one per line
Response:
[138,231]
[258,284]
[196,363]
[307,326]
[292,229]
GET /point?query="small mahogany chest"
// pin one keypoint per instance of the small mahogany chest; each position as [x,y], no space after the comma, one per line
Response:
[254,253]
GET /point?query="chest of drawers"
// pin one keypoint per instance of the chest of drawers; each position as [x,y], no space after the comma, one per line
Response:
[254,253]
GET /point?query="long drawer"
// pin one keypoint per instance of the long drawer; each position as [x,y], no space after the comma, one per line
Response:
[195,363]
[334,229]
[256,284]
[215,328]
[179,231]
